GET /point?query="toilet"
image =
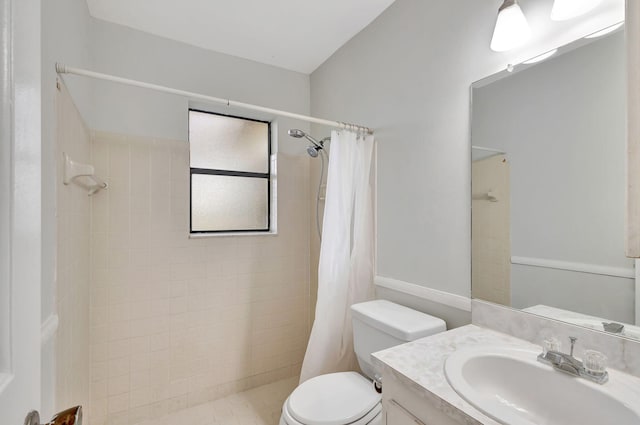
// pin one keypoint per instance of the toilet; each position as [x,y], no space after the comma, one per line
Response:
[348,397]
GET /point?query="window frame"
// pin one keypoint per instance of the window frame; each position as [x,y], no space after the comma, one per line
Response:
[232,173]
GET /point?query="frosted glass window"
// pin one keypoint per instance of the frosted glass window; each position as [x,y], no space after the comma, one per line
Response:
[230,173]
[220,142]
[228,203]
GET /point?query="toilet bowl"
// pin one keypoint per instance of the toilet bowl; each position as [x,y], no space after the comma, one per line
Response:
[349,398]
[333,399]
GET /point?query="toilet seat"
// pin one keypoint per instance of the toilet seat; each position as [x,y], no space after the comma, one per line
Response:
[374,417]
[333,399]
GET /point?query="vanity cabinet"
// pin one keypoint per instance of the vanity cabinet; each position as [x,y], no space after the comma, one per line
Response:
[405,406]
[398,415]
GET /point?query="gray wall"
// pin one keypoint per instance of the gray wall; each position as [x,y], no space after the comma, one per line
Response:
[606,297]
[562,124]
[125,52]
[453,317]
[408,76]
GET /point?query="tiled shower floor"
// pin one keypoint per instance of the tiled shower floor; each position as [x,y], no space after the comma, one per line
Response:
[257,406]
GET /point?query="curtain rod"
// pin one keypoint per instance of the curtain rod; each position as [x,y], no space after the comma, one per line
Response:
[64,69]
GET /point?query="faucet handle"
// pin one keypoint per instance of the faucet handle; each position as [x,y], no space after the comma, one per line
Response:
[550,344]
[595,363]
[573,340]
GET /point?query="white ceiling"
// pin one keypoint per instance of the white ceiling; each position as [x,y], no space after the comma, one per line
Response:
[294,34]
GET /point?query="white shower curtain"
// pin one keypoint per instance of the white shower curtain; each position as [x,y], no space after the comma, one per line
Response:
[345,272]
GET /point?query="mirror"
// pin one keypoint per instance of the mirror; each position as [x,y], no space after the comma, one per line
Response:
[548,187]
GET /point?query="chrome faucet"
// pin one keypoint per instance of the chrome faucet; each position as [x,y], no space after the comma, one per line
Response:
[567,363]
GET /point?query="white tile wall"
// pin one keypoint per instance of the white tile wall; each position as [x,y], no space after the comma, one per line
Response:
[257,406]
[177,322]
[72,262]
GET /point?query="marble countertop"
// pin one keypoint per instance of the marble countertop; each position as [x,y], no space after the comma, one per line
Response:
[420,364]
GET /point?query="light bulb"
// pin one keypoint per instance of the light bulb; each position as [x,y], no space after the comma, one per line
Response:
[568,9]
[512,29]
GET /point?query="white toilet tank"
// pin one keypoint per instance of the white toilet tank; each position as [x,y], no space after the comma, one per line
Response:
[381,324]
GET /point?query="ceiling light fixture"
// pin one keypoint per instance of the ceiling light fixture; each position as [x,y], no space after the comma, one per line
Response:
[512,29]
[568,9]
[541,57]
[605,31]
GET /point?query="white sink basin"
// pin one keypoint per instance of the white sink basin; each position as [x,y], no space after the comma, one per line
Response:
[510,386]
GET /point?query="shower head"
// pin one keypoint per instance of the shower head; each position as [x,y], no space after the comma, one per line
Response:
[316,145]
[294,132]
[298,134]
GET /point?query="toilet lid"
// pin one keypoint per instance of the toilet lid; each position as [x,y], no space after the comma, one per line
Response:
[333,399]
